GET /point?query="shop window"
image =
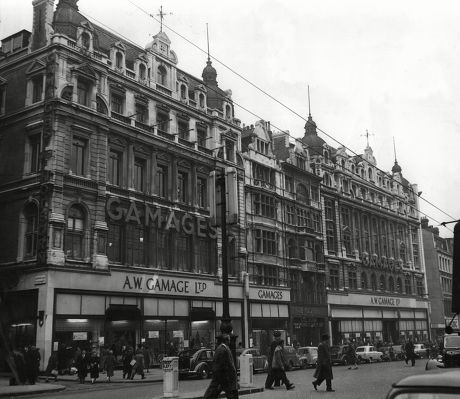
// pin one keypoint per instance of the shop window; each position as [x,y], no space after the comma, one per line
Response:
[115,164]
[182,187]
[162,181]
[37,89]
[117,102]
[162,75]
[74,239]
[79,156]
[139,174]
[202,192]
[364,284]
[31,230]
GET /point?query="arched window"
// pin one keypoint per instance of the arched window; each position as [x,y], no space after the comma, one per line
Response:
[75,232]
[364,284]
[399,285]
[201,98]
[142,72]
[85,40]
[119,59]
[369,172]
[382,283]
[183,92]
[327,180]
[326,157]
[161,75]
[228,112]
[402,252]
[101,107]
[31,230]
[408,285]
[391,284]
[352,168]
[373,282]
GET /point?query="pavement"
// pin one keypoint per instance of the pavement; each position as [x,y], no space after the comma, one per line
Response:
[41,387]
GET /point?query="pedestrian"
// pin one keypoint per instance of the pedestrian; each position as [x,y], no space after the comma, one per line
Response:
[109,364]
[410,354]
[279,365]
[94,361]
[324,365]
[52,367]
[391,352]
[351,356]
[32,363]
[224,371]
[82,364]
[270,374]
[127,363]
[138,366]
[146,353]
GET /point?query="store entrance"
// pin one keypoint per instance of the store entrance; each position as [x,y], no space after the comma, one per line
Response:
[390,332]
[122,328]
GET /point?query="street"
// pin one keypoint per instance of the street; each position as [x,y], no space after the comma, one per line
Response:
[368,381]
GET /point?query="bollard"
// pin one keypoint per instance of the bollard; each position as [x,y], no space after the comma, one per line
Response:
[170,366]
[246,371]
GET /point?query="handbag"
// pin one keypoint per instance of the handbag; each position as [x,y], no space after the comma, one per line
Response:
[316,373]
[132,362]
[54,372]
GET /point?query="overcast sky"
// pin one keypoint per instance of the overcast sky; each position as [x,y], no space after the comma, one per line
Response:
[390,67]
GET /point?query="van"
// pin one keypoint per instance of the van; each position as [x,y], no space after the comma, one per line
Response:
[451,350]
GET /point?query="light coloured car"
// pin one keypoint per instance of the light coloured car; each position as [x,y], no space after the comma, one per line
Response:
[420,351]
[308,355]
[368,354]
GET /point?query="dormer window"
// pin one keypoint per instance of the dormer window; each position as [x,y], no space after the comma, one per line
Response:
[142,72]
[161,75]
[85,40]
[183,92]
[119,60]
[201,100]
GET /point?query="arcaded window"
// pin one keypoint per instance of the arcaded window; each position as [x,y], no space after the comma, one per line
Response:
[31,230]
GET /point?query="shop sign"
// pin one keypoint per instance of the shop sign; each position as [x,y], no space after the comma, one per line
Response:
[159,284]
[178,334]
[162,218]
[80,336]
[385,301]
[154,334]
[266,294]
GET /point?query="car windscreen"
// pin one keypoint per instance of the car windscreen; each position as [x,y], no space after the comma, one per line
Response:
[452,341]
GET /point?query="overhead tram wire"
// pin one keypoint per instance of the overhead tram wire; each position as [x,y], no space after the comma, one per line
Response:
[268,95]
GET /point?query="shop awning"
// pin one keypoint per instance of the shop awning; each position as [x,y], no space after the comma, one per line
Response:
[197,314]
[123,312]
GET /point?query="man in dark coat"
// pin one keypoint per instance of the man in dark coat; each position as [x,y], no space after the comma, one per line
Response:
[224,372]
[82,364]
[271,376]
[32,360]
[324,365]
[410,353]
[279,365]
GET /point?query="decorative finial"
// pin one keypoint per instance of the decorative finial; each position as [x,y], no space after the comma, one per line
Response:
[367,136]
[207,37]
[162,15]
[394,149]
[309,111]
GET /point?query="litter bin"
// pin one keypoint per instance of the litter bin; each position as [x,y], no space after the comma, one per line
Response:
[246,368]
[170,366]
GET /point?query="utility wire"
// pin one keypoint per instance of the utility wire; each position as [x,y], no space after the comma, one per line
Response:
[271,97]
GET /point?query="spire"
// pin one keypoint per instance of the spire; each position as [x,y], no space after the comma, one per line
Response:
[396,168]
[209,74]
[161,14]
[367,137]
[310,125]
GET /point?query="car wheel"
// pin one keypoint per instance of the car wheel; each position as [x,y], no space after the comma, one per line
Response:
[303,364]
[370,360]
[360,359]
[204,372]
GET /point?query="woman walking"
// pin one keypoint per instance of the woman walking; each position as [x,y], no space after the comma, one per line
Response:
[94,367]
[109,365]
[82,364]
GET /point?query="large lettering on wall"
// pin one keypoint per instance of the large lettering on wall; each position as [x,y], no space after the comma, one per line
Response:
[165,285]
[162,218]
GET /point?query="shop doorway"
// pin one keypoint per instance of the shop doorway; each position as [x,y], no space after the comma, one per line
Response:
[390,332]
[202,328]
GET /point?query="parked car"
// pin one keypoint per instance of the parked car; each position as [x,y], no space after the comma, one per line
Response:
[433,384]
[339,354]
[399,352]
[420,351]
[292,358]
[451,350]
[259,361]
[308,355]
[196,364]
[386,353]
[368,354]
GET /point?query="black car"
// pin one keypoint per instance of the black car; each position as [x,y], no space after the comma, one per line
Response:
[451,351]
[196,364]
[339,354]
